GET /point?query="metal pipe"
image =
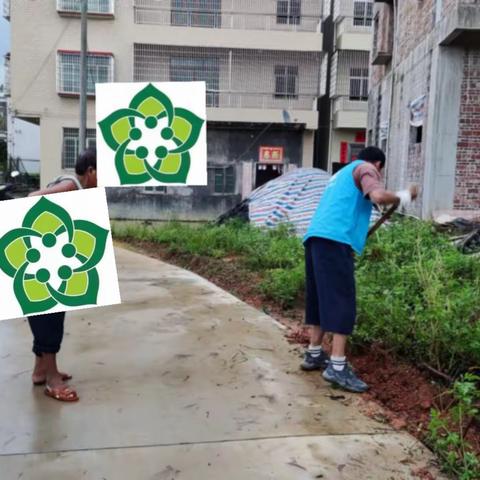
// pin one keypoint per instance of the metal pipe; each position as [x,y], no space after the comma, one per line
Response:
[83,77]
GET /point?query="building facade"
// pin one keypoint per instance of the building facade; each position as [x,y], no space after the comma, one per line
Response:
[262,62]
[424,105]
[343,114]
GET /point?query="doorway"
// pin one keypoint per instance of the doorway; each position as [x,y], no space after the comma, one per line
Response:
[266,172]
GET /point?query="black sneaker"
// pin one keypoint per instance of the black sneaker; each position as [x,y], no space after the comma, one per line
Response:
[345,379]
[320,362]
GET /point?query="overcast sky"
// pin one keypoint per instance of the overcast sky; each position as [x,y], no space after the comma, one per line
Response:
[4,43]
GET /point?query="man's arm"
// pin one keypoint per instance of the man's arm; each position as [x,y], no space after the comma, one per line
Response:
[65,186]
[385,197]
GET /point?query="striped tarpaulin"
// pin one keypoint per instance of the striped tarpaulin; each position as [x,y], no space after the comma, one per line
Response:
[291,198]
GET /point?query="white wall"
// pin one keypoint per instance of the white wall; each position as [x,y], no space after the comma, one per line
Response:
[24,143]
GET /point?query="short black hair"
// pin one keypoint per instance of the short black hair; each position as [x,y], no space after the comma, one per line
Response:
[87,159]
[372,155]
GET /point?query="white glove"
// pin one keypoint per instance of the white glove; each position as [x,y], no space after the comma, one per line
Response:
[405,197]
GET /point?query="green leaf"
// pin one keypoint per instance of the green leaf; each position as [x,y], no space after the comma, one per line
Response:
[88,297]
[127,178]
[187,127]
[9,259]
[111,133]
[152,102]
[35,216]
[99,236]
[29,305]
[179,177]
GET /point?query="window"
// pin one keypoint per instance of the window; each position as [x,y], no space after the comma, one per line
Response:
[94,6]
[359,84]
[286,81]
[196,13]
[362,14]
[203,69]
[99,70]
[289,12]
[155,189]
[70,145]
[221,179]
[416,134]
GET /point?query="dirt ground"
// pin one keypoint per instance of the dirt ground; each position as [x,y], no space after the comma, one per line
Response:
[400,394]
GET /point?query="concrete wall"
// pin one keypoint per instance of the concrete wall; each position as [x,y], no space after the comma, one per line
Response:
[192,204]
[226,146]
[445,164]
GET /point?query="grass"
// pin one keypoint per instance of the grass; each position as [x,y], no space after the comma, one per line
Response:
[416,293]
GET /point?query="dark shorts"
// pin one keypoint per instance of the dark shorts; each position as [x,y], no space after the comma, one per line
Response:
[330,286]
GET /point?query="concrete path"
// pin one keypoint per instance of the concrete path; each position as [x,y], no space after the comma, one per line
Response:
[184,381]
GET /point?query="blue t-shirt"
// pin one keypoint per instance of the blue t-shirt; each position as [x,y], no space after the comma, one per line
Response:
[343,214]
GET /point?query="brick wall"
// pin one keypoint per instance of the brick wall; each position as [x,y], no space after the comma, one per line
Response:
[416,20]
[467,185]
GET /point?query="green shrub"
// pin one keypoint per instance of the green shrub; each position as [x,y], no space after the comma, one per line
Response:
[448,430]
[420,296]
[283,285]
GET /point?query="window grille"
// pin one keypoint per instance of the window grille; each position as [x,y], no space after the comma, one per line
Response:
[199,68]
[196,13]
[363,14]
[286,80]
[279,15]
[156,190]
[221,179]
[94,6]
[99,70]
[359,84]
[237,78]
[70,145]
[289,12]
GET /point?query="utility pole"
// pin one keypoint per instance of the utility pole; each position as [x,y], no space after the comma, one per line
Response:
[83,77]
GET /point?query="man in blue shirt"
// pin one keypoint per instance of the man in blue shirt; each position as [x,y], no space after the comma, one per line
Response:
[338,228]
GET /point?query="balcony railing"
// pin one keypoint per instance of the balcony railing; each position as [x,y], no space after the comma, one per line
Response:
[352,8]
[344,104]
[6,9]
[354,25]
[233,14]
[237,78]
[349,74]
[95,7]
[459,23]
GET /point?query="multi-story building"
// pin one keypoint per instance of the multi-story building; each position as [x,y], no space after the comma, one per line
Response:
[343,114]
[424,107]
[262,62]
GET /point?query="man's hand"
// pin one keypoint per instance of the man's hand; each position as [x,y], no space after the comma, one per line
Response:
[402,198]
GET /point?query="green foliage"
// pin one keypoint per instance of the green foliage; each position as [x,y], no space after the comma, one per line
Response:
[419,295]
[416,293]
[448,430]
[284,284]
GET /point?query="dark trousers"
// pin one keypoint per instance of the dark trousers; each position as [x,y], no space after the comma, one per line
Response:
[47,332]
[329,286]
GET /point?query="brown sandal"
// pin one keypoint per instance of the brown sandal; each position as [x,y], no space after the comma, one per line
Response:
[62,394]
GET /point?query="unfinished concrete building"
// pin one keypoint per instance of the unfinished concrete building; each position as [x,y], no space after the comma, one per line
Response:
[424,104]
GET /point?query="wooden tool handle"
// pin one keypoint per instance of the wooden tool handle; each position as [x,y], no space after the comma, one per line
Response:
[382,219]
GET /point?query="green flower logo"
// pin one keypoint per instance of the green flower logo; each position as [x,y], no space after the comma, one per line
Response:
[52,259]
[151,138]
